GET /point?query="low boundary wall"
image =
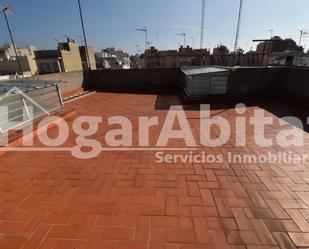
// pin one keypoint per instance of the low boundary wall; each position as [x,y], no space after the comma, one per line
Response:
[133,79]
[243,81]
[71,81]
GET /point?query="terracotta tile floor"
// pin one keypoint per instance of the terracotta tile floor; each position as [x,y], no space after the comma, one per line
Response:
[123,200]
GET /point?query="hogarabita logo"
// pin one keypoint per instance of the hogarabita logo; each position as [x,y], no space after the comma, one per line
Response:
[87,146]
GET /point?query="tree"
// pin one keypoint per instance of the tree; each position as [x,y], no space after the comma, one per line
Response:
[240,51]
[221,50]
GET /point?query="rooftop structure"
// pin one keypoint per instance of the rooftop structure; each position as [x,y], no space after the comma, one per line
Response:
[277,44]
[66,58]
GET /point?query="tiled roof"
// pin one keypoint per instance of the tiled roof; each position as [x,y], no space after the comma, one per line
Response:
[124,200]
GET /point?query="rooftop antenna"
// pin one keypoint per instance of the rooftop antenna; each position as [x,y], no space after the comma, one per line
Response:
[84,34]
[138,49]
[271,33]
[184,35]
[67,37]
[149,44]
[157,40]
[145,30]
[80,38]
[302,33]
[146,35]
[7,10]
[203,23]
[238,25]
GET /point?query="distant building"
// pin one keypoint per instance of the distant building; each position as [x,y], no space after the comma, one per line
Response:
[9,64]
[83,54]
[289,59]
[135,61]
[7,51]
[283,52]
[301,61]
[111,58]
[11,67]
[184,56]
[278,45]
[66,58]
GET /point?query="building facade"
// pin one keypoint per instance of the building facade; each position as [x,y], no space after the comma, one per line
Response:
[66,58]
[184,56]
[111,58]
[83,54]
[278,45]
[9,64]
[7,51]
[11,67]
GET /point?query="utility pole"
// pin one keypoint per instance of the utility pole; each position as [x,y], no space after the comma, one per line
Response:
[302,33]
[238,25]
[146,36]
[5,10]
[271,33]
[84,34]
[184,35]
[203,23]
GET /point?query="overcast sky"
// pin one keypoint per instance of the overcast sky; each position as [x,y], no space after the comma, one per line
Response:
[112,22]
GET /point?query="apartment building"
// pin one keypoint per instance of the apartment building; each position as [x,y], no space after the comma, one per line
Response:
[7,51]
[184,56]
[27,63]
[112,58]
[8,60]
[277,45]
[66,58]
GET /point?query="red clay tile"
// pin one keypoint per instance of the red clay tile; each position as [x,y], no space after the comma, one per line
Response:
[124,200]
[180,235]
[300,239]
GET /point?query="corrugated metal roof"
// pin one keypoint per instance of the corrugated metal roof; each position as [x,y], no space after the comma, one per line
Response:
[202,70]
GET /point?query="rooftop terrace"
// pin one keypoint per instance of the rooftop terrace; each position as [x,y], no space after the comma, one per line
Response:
[124,200]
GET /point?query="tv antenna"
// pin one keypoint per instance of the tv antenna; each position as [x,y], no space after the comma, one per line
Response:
[203,23]
[302,33]
[184,35]
[7,10]
[238,25]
